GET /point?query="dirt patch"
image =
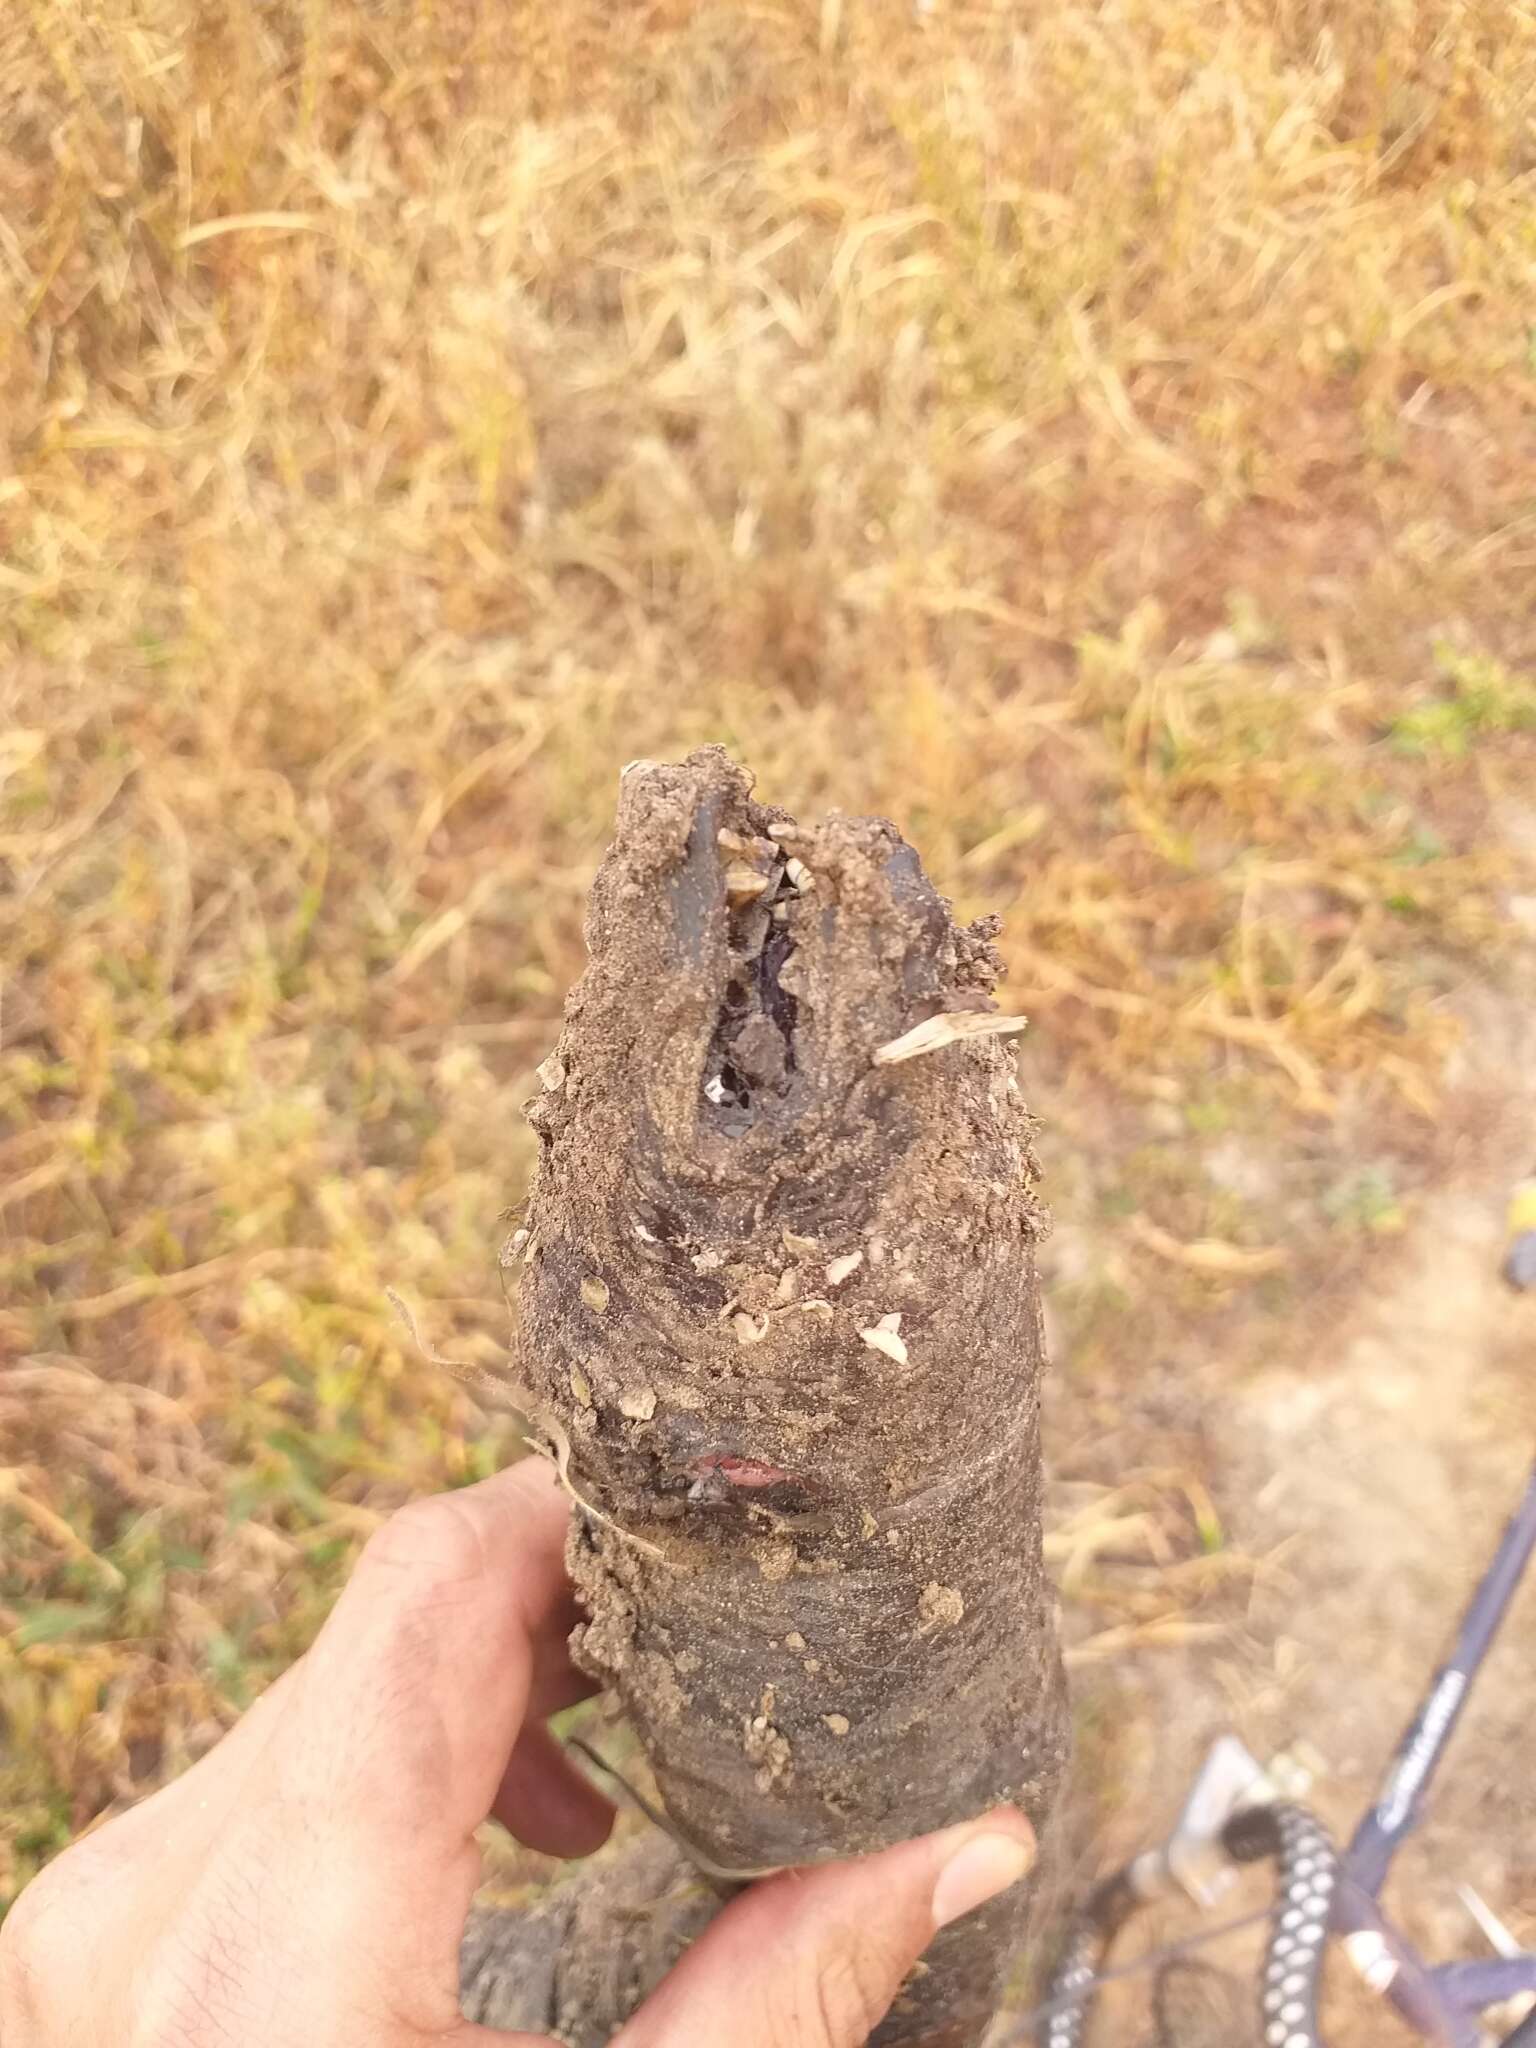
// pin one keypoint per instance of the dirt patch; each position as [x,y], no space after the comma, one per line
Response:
[1370,1466]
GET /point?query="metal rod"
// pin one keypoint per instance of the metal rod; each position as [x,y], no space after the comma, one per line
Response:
[1392,1968]
[1472,1987]
[1384,1829]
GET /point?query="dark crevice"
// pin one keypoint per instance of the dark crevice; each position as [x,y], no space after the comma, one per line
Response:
[752,1052]
[776,1000]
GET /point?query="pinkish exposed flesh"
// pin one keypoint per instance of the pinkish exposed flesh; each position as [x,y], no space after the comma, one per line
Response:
[739,1471]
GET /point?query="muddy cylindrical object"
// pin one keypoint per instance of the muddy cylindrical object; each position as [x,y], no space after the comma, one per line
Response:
[781,1297]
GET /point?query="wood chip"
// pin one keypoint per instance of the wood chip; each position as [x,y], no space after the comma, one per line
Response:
[879,1338]
[801,1247]
[950,1027]
[799,875]
[840,1269]
[823,1310]
[743,883]
[941,1606]
[594,1293]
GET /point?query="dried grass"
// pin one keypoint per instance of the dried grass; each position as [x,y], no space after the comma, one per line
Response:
[1099,435]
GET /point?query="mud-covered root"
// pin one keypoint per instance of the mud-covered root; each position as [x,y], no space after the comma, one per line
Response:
[780,1297]
[577,1964]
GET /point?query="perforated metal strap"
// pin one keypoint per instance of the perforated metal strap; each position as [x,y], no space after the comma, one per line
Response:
[1308,1869]
[1071,1989]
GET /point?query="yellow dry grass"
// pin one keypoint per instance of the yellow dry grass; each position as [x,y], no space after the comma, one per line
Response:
[1099,434]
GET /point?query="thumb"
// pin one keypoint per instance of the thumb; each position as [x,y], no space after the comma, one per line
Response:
[813,1958]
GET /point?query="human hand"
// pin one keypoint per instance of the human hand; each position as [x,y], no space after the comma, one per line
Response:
[306,1884]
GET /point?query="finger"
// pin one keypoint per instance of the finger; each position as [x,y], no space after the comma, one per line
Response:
[556,1681]
[817,1956]
[546,1802]
[467,2035]
[197,1804]
[201,1800]
[413,1695]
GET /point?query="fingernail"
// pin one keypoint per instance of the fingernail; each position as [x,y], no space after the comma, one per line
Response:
[987,1865]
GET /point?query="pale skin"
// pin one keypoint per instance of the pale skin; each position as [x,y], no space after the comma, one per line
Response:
[306,1884]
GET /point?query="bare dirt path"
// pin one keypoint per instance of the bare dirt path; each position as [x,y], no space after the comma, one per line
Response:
[1371,1465]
